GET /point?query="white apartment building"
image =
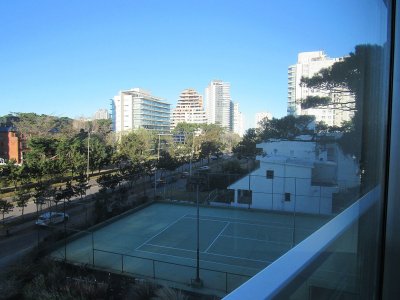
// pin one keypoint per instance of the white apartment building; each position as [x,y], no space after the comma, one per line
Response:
[219,107]
[238,120]
[101,114]
[308,64]
[261,116]
[300,176]
[137,108]
[189,109]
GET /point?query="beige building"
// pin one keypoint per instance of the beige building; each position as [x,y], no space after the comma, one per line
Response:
[189,109]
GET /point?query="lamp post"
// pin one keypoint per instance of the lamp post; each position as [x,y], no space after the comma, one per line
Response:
[88,157]
[155,171]
[197,282]
[191,155]
[158,159]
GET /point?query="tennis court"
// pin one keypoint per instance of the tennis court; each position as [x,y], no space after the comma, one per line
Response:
[160,242]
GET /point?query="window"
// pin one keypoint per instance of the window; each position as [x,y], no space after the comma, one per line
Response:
[287,197]
[270,174]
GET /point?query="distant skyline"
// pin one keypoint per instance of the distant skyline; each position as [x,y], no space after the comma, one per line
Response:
[68,58]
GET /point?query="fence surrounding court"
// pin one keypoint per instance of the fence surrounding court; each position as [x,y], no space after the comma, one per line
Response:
[168,271]
[168,253]
[289,194]
[143,267]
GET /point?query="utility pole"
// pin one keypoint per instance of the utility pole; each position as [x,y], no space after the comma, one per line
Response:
[197,282]
[88,157]
[191,155]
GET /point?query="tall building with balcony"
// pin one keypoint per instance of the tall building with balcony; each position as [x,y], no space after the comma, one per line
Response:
[137,108]
[101,114]
[219,106]
[189,109]
[308,64]
[238,120]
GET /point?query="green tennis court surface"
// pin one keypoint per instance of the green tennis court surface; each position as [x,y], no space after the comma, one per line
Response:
[160,242]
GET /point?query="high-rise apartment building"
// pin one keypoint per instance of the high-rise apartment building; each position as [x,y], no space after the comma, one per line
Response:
[101,114]
[238,120]
[219,107]
[261,116]
[308,64]
[136,108]
[189,108]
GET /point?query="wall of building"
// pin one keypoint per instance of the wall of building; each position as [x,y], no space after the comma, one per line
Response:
[10,148]
[136,108]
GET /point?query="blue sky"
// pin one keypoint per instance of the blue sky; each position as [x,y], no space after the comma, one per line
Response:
[69,57]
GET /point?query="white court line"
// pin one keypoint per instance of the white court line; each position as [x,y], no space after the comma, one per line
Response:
[223,229]
[243,223]
[193,259]
[161,231]
[258,240]
[167,247]
[204,219]
[234,220]
[227,256]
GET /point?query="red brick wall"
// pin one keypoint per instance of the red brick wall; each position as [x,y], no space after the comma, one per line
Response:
[13,146]
[10,146]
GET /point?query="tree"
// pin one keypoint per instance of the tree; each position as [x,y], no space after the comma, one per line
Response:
[186,128]
[359,74]
[5,208]
[232,167]
[40,194]
[108,181]
[210,142]
[287,127]
[247,146]
[34,125]
[166,161]
[22,198]
[40,159]
[100,153]
[137,145]
[208,148]
[81,186]
[102,128]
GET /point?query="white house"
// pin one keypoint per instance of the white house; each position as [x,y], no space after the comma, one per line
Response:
[299,176]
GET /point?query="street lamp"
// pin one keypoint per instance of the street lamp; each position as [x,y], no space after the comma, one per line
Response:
[88,157]
[158,159]
[197,282]
[191,155]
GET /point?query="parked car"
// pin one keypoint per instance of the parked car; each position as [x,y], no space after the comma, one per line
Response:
[52,217]
[204,168]
[159,182]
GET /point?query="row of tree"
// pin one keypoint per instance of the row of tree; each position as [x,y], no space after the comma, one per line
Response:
[65,155]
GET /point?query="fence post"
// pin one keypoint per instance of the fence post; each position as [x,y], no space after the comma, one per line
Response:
[294,213]
[122,263]
[92,249]
[154,270]
[226,282]
[320,195]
